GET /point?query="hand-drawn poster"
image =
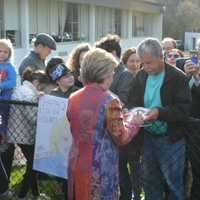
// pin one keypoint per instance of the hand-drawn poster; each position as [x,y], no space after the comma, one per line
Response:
[53,137]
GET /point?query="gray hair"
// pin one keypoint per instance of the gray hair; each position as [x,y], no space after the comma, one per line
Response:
[96,65]
[150,46]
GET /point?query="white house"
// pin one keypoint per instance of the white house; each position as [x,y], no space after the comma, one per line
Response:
[75,21]
[190,40]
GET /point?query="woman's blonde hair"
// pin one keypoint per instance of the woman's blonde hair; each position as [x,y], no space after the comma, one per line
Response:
[96,65]
[7,44]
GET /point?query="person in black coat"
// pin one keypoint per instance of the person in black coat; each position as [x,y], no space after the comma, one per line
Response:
[193,138]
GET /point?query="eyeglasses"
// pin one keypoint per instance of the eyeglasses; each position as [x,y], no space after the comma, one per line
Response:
[175,56]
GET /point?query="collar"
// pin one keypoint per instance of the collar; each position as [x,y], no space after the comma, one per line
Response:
[36,55]
[168,73]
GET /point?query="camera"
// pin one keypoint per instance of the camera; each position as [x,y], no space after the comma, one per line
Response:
[194,57]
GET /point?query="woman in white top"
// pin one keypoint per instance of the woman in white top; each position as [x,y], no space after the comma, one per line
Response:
[22,124]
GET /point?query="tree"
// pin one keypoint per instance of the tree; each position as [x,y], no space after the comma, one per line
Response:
[181,16]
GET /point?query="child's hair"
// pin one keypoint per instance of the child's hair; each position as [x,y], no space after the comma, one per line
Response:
[73,60]
[7,44]
[30,75]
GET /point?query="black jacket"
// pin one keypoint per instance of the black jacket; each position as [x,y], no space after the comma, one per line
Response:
[32,60]
[57,92]
[195,108]
[175,98]
[121,83]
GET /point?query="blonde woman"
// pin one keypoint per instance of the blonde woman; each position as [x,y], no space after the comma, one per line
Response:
[97,126]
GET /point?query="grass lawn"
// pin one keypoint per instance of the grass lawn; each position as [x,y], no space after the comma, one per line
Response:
[49,186]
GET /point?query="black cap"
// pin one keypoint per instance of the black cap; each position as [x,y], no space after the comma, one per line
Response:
[58,71]
[45,39]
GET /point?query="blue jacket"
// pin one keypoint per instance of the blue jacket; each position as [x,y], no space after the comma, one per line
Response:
[7,83]
[7,80]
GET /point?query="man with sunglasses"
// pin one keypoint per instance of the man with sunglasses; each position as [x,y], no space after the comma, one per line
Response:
[63,77]
[172,55]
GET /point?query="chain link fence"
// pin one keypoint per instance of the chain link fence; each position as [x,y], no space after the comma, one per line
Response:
[17,179]
[16,160]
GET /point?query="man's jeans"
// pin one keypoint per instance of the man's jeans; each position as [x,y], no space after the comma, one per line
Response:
[163,165]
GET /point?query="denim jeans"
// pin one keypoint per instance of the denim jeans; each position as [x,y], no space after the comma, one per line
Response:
[163,164]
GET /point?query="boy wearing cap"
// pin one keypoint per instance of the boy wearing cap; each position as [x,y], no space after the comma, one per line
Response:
[43,45]
[63,77]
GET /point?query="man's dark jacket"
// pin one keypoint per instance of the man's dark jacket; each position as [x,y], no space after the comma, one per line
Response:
[32,60]
[175,98]
[121,83]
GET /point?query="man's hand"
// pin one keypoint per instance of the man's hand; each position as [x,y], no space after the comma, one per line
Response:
[138,119]
[40,94]
[152,115]
[190,68]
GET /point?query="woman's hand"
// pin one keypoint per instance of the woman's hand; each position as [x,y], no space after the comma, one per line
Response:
[137,119]
[40,94]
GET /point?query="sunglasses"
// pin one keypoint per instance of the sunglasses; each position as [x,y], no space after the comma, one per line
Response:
[173,56]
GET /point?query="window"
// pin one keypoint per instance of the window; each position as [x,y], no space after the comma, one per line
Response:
[104,21]
[138,24]
[71,29]
[14,37]
[10,21]
[63,20]
[194,43]
[148,25]
[108,20]
[118,21]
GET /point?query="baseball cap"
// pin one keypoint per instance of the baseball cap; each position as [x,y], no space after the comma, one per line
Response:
[58,71]
[45,39]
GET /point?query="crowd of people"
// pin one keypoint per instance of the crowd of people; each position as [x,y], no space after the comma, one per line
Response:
[115,154]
